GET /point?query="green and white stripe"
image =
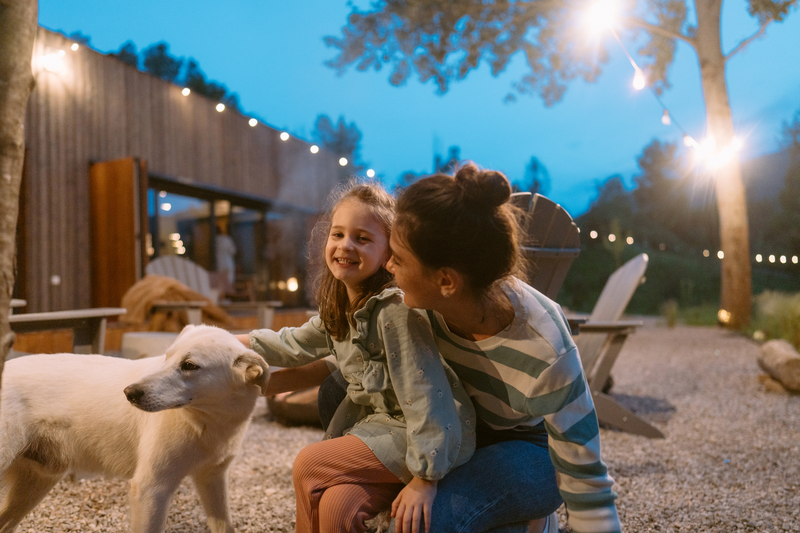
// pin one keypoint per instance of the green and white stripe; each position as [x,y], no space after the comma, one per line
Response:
[532,372]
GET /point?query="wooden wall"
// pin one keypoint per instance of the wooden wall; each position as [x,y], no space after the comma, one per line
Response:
[97,108]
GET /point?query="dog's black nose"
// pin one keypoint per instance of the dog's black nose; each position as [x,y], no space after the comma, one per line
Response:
[133,394]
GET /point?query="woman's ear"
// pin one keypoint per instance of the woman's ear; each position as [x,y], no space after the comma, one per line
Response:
[449,281]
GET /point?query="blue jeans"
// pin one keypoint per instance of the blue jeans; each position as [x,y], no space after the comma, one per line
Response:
[508,482]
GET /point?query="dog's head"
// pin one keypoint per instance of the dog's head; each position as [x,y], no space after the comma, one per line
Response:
[206,368]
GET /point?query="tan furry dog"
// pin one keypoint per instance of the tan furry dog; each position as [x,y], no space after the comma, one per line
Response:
[153,421]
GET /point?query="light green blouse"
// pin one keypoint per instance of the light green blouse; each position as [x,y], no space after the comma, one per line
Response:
[404,402]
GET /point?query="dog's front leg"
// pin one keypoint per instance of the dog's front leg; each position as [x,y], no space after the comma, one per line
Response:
[150,494]
[212,485]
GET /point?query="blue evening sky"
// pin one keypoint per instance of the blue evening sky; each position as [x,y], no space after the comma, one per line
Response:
[271,53]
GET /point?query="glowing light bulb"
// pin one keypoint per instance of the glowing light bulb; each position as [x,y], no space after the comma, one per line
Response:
[314,148]
[638,80]
[253,122]
[370,173]
[612,238]
[771,258]
[720,254]
[75,47]
[758,258]
[783,259]
[688,141]
[291,284]
[284,136]
[601,15]
[706,253]
[629,240]
[794,259]
[186,91]
[220,107]
[166,207]
[593,234]
[665,120]
[736,144]
[343,161]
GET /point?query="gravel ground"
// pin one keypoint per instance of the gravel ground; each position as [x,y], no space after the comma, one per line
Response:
[729,461]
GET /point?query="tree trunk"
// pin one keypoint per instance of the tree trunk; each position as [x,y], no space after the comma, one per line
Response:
[18,24]
[736,290]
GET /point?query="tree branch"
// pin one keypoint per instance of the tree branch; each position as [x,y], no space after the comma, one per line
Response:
[658,29]
[742,45]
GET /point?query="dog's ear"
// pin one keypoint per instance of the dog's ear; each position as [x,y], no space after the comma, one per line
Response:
[254,368]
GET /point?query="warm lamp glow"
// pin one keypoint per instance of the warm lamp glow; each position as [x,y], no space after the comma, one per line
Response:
[612,238]
[783,259]
[601,15]
[253,122]
[186,91]
[343,161]
[706,253]
[665,120]
[75,47]
[638,80]
[724,316]
[758,258]
[721,254]
[166,207]
[220,107]
[314,148]
[629,240]
[284,136]
[53,60]
[593,234]
[291,284]
[370,173]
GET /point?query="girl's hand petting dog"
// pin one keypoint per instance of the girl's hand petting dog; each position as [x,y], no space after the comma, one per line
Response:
[412,504]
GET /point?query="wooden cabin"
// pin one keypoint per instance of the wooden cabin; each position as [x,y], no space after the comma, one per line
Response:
[121,167]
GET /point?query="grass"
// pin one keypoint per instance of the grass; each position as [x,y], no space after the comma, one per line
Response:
[777,316]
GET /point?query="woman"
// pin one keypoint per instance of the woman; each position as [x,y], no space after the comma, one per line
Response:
[454,251]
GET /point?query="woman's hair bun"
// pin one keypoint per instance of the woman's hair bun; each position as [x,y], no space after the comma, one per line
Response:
[487,188]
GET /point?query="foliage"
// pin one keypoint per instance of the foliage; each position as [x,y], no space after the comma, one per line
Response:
[777,316]
[789,218]
[158,62]
[536,179]
[127,54]
[80,38]
[342,139]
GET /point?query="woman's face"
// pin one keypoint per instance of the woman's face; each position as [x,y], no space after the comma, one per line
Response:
[414,279]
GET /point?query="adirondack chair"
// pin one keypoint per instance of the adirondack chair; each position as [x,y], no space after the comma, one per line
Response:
[552,241]
[600,340]
[198,278]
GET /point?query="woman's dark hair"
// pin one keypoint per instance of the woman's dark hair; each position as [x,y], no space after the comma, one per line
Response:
[335,309]
[464,222]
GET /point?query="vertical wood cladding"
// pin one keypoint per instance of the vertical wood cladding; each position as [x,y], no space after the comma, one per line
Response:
[97,108]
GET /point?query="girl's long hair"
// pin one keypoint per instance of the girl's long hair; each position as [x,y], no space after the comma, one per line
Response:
[335,309]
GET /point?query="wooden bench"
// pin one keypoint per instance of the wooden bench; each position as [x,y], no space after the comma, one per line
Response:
[88,325]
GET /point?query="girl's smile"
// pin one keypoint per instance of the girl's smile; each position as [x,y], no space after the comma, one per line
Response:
[357,245]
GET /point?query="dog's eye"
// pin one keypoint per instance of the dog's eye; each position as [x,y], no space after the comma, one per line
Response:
[188,365]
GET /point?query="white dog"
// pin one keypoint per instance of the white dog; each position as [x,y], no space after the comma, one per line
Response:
[153,421]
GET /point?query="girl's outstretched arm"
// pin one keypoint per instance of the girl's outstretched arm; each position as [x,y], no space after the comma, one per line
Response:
[301,377]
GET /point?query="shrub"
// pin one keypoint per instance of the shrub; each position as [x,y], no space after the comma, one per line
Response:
[777,316]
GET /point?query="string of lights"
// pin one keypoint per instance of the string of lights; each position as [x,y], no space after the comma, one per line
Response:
[603,15]
[758,258]
[52,60]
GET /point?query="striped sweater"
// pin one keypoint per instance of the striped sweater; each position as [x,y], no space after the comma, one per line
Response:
[530,372]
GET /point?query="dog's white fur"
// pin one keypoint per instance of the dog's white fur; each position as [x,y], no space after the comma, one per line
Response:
[68,412]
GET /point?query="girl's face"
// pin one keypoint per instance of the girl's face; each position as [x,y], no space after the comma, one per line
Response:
[417,282]
[357,245]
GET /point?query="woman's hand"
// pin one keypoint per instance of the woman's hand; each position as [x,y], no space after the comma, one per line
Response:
[414,504]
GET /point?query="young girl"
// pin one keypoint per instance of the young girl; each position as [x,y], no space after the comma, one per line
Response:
[406,419]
